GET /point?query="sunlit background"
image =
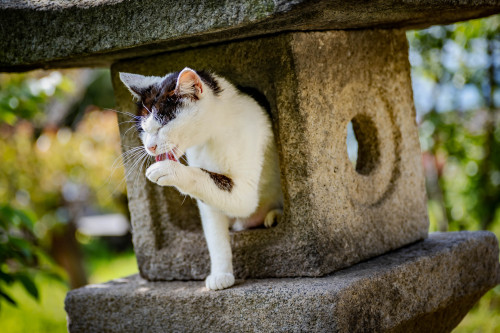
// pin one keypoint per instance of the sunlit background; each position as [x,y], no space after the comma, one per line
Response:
[63,207]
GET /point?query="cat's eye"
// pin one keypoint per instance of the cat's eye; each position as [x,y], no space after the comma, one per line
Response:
[144,110]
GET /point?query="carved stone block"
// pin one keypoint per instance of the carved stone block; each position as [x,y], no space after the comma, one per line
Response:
[335,214]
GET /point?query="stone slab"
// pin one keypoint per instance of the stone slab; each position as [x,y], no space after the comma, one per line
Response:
[334,214]
[61,33]
[426,287]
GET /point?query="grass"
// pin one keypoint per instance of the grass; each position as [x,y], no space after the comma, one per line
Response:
[48,315]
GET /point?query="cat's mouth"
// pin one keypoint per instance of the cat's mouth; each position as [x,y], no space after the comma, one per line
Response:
[162,157]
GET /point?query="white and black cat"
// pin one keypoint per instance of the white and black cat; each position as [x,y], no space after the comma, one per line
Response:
[232,161]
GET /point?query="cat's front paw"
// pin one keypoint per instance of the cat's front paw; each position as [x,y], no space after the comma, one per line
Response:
[219,281]
[164,173]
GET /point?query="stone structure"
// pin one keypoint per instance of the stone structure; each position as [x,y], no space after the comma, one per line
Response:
[426,287]
[78,33]
[335,215]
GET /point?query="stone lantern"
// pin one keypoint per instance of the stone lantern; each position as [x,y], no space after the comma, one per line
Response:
[352,251]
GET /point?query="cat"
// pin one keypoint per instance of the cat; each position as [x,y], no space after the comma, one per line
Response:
[232,164]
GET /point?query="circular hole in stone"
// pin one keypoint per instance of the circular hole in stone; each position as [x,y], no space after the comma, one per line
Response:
[363,144]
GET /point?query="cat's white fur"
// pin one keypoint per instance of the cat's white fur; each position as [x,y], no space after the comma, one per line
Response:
[228,134]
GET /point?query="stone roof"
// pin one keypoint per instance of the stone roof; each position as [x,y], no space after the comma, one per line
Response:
[70,33]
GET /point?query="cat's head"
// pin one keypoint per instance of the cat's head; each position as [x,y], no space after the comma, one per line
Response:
[172,110]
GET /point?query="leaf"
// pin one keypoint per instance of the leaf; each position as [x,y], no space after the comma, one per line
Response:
[7,278]
[5,215]
[29,285]
[26,220]
[22,250]
[20,243]
[57,276]
[7,298]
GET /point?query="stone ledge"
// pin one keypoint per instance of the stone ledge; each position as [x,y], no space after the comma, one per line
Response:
[427,286]
[61,33]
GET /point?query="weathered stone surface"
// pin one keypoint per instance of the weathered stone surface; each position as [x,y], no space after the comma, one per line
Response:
[61,33]
[426,287]
[334,216]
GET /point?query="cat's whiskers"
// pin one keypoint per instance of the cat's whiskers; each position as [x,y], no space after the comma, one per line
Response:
[124,113]
[171,149]
[132,147]
[124,134]
[132,153]
[132,121]
[136,168]
[130,158]
[156,115]
[130,173]
[125,157]
[131,161]
[149,162]
[146,107]
[141,165]
[137,159]
[179,158]
[183,199]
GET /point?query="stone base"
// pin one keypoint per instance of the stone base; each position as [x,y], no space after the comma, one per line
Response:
[424,287]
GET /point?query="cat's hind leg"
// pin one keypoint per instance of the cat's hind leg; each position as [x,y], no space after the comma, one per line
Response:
[239,225]
[272,217]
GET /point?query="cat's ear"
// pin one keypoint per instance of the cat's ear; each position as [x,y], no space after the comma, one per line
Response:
[138,84]
[189,83]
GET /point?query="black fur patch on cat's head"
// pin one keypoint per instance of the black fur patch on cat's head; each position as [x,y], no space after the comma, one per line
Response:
[210,81]
[161,99]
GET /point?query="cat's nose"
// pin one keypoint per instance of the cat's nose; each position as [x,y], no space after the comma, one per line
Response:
[152,148]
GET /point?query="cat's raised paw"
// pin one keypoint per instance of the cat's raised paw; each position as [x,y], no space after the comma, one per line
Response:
[163,173]
[219,281]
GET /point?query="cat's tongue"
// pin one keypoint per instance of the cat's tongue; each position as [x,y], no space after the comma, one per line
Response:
[161,157]
[171,156]
[164,156]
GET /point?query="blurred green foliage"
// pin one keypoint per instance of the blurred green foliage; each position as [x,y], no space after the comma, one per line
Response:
[61,172]
[58,152]
[19,254]
[459,125]
[456,76]
[47,314]
[22,97]
[25,96]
